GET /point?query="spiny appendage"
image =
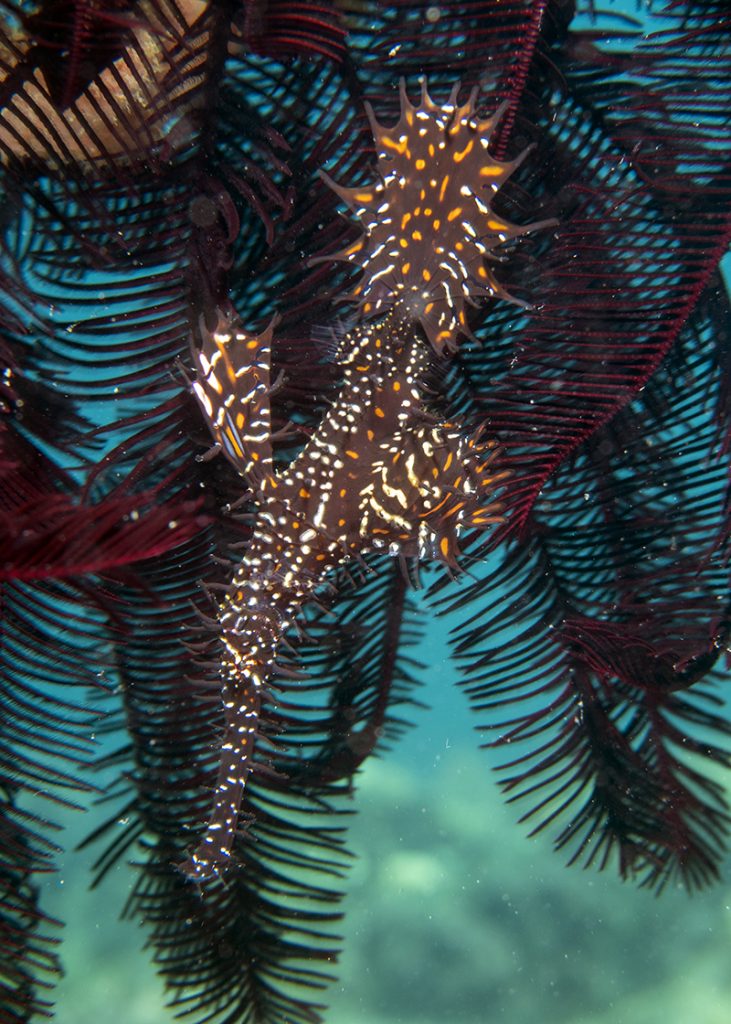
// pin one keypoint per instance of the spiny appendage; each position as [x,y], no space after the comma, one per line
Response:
[429,485]
[428,223]
[233,387]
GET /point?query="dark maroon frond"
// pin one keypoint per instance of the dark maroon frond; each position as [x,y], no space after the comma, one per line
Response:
[68,541]
[651,237]
[161,164]
[621,602]
[279,29]
[72,42]
[283,881]
[52,652]
[357,646]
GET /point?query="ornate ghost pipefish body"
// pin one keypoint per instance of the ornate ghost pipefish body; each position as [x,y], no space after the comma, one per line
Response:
[381,471]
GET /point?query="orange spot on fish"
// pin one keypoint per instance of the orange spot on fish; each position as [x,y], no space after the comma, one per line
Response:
[459,157]
[399,147]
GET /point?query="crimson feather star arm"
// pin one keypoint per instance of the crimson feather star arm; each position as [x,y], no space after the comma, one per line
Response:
[382,470]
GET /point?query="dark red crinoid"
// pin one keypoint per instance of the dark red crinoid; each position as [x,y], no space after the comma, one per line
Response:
[169,168]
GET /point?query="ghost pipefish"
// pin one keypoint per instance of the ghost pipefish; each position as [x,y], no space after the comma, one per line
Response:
[381,471]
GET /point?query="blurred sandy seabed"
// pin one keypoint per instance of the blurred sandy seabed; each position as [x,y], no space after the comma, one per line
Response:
[452,914]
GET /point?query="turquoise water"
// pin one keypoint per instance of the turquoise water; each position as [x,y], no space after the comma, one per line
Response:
[452,913]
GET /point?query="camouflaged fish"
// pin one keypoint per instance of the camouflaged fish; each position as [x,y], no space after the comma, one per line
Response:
[381,471]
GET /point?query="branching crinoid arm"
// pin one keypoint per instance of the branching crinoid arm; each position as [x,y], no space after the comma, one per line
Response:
[233,388]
